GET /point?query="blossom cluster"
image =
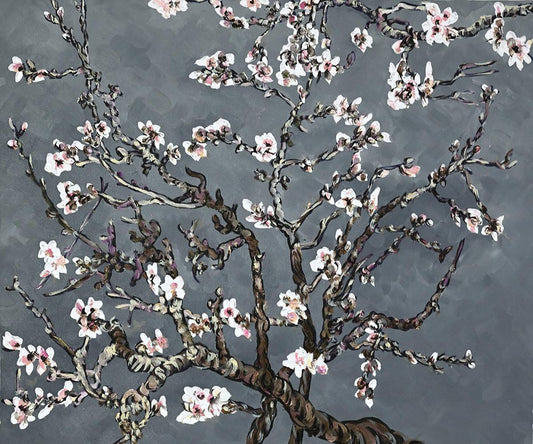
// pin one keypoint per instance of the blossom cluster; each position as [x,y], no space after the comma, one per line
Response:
[89,317]
[366,386]
[30,356]
[301,360]
[151,134]
[325,263]
[292,307]
[168,8]
[24,409]
[155,345]
[517,48]
[196,147]
[202,404]
[171,288]
[54,261]
[437,26]
[260,217]
[215,70]
[473,219]
[406,87]
[261,69]
[299,56]
[199,325]
[71,196]
[233,317]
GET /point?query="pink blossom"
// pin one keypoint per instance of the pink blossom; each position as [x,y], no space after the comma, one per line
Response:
[11,342]
[473,219]
[253,5]
[153,279]
[299,361]
[437,26]
[58,162]
[89,317]
[361,39]
[326,263]
[518,49]
[17,67]
[69,194]
[23,413]
[173,287]
[348,201]
[195,150]
[410,172]
[151,134]
[266,148]
[168,8]
[44,359]
[160,407]
[258,215]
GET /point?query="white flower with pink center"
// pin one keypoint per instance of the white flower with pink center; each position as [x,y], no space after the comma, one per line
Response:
[348,201]
[159,407]
[266,148]
[341,106]
[69,194]
[44,359]
[196,150]
[494,228]
[151,134]
[253,5]
[229,310]
[48,250]
[299,360]
[404,86]
[292,307]
[86,129]
[288,75]
[320,365]
[173,287]
[168,8]
[518,49]
[156,345]
[89,317]
[102,129]
[219,396]
[326,263]
[26,358]
[17,67]
[326,65]
[258,216]
[474,218]
[55,267]
[495,34]
[63,397]
[173,154]
[361,39]
[11,342]
[437,26]
[58,162]
[23,413]
[262,70]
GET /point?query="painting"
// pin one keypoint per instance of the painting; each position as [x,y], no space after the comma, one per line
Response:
[260,221]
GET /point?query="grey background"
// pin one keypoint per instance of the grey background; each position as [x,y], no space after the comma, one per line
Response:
[487,307]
